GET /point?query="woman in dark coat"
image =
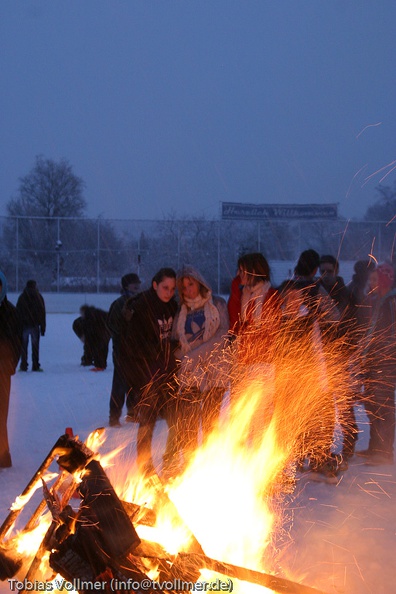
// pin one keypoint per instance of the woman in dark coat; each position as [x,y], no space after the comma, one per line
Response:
[147,357]
[10,348]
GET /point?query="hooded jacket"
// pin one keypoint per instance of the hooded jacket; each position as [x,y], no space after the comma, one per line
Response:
[201,343]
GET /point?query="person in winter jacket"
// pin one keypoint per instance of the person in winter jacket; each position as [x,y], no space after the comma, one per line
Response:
[380,366]
[10,348]
[357,289]
[201,327]
[91,328]
[316,297]
[303,403]
[31,309]
[130,286]
[343,341]
[257,322]
[250,290]
[147,359]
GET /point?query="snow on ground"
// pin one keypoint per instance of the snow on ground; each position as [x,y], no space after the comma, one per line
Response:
[342,537]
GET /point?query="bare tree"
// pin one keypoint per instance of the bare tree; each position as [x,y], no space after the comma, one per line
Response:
[384,209]
[50,189]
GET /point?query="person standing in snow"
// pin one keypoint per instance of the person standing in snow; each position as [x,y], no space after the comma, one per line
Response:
[148,361]
[130,286]
[31,310]
[10,348]
[380,366]
[342,342]
[201,327]
[254,310]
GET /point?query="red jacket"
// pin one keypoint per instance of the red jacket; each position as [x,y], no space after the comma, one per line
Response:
[234,304]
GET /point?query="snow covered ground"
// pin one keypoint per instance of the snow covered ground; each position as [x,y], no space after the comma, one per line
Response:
[342,537]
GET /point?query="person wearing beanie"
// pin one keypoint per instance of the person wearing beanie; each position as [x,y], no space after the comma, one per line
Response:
[130,286]
[380,366]
[31,309]
[10,348]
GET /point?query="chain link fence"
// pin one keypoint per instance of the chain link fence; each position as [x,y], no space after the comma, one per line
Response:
[91,255]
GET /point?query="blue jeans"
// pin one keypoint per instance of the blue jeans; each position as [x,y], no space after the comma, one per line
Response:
[34,334]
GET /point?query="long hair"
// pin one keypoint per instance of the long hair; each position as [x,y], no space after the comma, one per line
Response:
[256,266]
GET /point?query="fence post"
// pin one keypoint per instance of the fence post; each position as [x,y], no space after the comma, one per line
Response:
[98,260]
[58,247]
[218,255]
[178,245]
[17,256]
[258,236]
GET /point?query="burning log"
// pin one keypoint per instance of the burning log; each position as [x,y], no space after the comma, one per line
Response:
[8,566]
[275,583]
[101,505]
[59,447]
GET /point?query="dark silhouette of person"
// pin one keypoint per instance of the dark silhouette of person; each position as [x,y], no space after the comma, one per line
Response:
[92,330]
[10,348]
[31,310]
[120,391]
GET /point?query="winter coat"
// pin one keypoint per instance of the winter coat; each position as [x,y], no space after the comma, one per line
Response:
[92,328]
[347,307]
[146,348]
[10,337]
[203,364]
[115,320]
[380,351]
[257,334]
[234,304]
[31,309]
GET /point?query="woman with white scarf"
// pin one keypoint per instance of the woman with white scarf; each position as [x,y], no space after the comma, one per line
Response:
[201,326]
[256,310]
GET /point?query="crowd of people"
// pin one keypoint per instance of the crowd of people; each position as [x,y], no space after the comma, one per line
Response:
[177,349]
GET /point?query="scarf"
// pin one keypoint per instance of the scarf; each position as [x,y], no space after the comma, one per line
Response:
[212,319]
[252,301]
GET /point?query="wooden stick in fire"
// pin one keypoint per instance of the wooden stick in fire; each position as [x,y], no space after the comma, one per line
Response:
[32,484]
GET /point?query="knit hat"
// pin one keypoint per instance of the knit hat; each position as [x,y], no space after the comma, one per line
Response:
[130,279]
[3,290]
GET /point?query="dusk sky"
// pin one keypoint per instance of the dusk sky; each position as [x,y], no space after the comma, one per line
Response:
[172,106]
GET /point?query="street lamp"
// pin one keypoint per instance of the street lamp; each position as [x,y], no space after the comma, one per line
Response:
[58,247]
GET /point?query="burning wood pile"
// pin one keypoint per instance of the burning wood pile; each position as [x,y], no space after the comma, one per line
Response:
[91,539]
